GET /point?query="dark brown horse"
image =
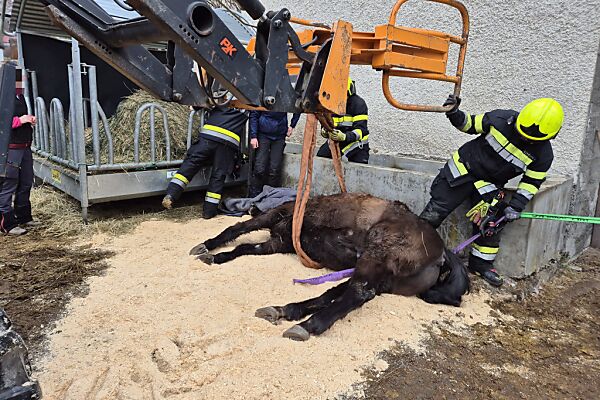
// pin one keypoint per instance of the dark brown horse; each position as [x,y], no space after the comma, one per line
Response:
[391,249]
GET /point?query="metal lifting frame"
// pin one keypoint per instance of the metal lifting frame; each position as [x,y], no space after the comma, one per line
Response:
[260,75]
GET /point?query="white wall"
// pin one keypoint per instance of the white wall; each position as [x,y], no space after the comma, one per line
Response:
[518,51]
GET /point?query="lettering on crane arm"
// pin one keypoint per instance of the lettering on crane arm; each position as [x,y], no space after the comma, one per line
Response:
[227,47]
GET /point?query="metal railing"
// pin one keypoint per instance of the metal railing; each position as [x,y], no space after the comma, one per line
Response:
[152,107]
[5,18]
[52,141]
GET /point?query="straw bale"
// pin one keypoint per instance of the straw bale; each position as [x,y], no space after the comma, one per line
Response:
[122,127]
[61,214]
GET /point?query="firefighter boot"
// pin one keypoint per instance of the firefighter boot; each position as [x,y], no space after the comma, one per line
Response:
[209,210]
[174,192]
[485,270]
[492,277]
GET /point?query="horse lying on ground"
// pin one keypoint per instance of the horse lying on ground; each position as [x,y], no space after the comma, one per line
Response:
[391,249]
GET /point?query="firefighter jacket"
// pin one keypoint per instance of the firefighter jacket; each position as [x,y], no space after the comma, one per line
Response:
[498,154]
[225,125]
[354,125]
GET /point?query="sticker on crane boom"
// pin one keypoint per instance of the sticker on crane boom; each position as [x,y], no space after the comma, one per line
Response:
[56,176]
[227,47]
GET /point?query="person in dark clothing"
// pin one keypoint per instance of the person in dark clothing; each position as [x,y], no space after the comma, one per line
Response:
[351,132]
[268,130]
[218,145]
[19,173]
[508,144]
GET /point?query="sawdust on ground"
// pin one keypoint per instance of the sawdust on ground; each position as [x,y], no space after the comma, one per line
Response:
[162,325]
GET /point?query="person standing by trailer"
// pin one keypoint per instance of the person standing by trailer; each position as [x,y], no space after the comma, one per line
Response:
[350,130]
[219,146]
[19,171]
[268,131]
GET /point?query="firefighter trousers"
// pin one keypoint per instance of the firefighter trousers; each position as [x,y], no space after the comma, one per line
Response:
[202,153]
[445,199]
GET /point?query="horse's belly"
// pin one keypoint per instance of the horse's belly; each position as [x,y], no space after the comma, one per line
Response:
[336,260]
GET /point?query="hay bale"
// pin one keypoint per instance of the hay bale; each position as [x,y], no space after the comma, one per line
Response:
[122,126]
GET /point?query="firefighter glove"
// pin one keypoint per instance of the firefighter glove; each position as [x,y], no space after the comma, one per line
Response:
[324,133]
[490,225]
[453,101]
[337,136]
[511,214]
[478,212]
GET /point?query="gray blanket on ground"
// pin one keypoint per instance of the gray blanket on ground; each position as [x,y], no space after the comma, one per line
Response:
[269,198]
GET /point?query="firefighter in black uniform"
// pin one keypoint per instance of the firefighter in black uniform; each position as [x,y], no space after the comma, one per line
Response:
[508,144]
[351,132]
[19,173]
[219,145]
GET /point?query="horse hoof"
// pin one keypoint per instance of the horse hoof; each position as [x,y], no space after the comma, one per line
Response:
[206,258]
[199,249]
[271,314]
[297,332]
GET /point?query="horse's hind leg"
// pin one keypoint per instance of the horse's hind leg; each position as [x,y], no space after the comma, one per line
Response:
[266,220]
[271,246]
[357,293]
[297,311]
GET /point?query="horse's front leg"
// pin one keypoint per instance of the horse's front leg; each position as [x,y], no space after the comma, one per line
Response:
[298,311]
[263,221]
[271,246]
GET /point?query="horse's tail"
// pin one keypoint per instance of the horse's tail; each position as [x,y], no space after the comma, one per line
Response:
[449,290]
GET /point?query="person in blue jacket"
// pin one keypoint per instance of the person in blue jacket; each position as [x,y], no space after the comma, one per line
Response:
[268,131]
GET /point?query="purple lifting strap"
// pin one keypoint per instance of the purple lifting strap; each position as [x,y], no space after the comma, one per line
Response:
[334,276]
[339,275]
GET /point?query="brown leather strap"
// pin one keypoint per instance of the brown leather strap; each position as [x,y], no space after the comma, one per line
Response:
[304,183]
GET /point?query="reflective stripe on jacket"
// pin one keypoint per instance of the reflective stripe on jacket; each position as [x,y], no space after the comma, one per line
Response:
[354,125]
[225,125]
[498,154]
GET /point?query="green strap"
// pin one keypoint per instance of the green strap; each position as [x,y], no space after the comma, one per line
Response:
[559,217]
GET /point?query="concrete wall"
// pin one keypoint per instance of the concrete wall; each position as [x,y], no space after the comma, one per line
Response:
[527,245]
[518,50]
[584,199]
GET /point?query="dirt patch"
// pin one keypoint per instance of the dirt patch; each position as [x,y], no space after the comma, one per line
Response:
[39,276]
[544,346]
